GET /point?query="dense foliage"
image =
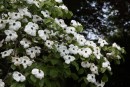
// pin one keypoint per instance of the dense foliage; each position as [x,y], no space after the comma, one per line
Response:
[39,49]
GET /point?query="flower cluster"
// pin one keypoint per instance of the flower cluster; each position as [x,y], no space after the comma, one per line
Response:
[39,46]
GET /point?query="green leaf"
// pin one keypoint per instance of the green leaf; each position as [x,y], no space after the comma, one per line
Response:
[81,71]
[53,73]
[41,83]
[105,78]
[92,85]
[74,76]
[117,62]
[48,83]
[83,85]
[103,70]
[33,79]
[54,61]
[79,28]
[13,85]
[76,65]
[13,67]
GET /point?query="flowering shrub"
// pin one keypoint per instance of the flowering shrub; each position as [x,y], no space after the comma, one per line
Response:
[38,49]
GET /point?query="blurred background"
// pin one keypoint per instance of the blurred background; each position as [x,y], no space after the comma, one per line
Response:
[109,19]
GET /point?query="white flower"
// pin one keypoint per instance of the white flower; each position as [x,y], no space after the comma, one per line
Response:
[59,1]
[25,61]
[38,73]
[26,43]
[63,50]
[73,49]
[85,64]
[49,43]
[68,59]
[106,64]
[100,84]
[1,43]
[2,84]
[97,52]
[70,30]
[14,25]
[2,24]
[25,12]
[36,18]
[102,42]
[11,35]
[18,76]
[30,1]
[63,7]
[33,51]
[94,68]
[80,39]
[75,23]
[37,50]
[16,61]
[43,34]
[15,15]
[116,46]
[6,53]
[45,13]
[60,22]
[31,28]
[90,43]
[91,78]
[85,52]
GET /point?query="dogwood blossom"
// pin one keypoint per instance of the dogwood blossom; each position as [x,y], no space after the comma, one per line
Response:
[31,28]
[11,35]
[6,53]
[2,84]
[91,78]
[1,43]
[116,46]
[45,13]
[14,25]
[25,61]
[16,61]
[85,64]
[26,43]
[38,73]
[68,59]
[17,76]
[2,23]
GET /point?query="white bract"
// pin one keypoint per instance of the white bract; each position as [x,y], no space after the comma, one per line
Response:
[102,42]
[11,35]
[14,25]
[25,61]
[85,64]
[68,59]
[38,73]
[59,1]
[1,43]
[2,84]
[17,76]
[26,43]
[2,24]
[31,28]
[116,46]
[6,53]
[16,61]
[91,78]
[45,13]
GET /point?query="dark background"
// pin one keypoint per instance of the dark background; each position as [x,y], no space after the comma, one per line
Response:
[121,73]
